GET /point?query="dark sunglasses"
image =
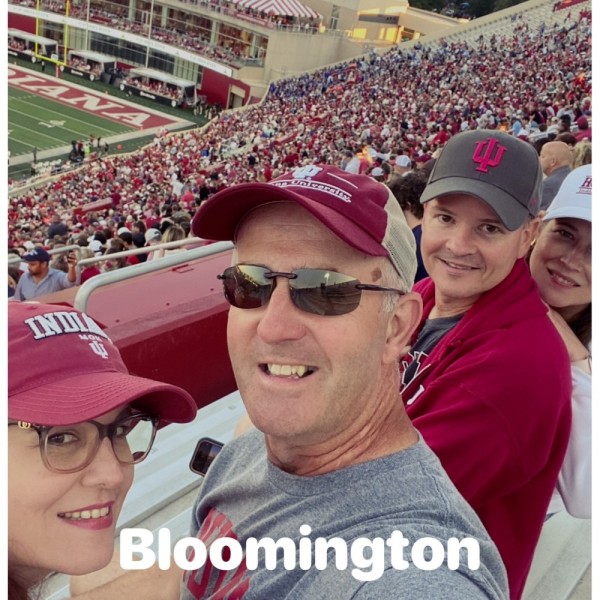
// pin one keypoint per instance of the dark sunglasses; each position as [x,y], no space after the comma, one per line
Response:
[316,291]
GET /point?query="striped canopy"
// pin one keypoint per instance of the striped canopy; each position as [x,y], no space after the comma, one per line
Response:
[284,8]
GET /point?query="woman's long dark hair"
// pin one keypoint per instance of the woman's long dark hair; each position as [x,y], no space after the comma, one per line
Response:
[16,591]
[581,324]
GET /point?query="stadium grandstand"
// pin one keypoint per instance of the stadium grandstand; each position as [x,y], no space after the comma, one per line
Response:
[408,99]
[232,49]
[368,88]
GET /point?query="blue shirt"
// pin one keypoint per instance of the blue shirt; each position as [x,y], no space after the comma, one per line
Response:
[55,281]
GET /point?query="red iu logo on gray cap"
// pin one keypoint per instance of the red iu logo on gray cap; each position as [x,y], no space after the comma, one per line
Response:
[488,154]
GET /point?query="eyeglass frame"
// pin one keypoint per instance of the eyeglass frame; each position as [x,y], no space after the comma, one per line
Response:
[104,431]
[273,275]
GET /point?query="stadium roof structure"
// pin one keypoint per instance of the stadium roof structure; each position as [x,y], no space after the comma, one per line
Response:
[283,8]
[95,56]
[31,37]
[160,76]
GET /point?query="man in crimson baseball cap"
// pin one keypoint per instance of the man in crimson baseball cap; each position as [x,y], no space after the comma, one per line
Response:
[64,369]
[321,316]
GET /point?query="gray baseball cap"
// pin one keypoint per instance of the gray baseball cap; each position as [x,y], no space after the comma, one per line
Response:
[501,170]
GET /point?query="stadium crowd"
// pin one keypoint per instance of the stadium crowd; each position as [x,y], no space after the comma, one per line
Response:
[89,66]
[405,102]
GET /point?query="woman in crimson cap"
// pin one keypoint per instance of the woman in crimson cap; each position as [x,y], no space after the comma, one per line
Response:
[77,423]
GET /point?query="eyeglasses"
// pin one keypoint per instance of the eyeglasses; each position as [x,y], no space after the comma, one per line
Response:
[71,448]
[316,291]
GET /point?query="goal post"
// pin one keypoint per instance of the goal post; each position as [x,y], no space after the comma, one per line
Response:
[55,57]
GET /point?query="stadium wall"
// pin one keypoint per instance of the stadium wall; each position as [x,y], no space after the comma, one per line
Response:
[21,22]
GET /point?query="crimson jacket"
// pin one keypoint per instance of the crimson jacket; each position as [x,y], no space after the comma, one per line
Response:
[493,401]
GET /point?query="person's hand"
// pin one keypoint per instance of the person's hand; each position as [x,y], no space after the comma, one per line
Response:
[577,351]
[72,259]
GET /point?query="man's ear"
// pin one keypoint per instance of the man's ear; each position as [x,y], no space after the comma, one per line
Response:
[401,326]
[528,234]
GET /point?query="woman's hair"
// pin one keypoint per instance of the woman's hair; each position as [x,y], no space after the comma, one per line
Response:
[16,590]
[581,325]
[115,263]
[86,253]
[174,233]
[582,154]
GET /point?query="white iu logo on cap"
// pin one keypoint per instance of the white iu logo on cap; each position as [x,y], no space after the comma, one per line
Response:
[306,172]
[99,349]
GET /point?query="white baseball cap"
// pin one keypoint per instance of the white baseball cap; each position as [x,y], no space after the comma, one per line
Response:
[96,247]
[152,235]
[574,198]
[402,161]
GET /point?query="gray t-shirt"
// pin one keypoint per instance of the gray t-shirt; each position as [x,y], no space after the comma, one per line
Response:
[245,496]
[431,333]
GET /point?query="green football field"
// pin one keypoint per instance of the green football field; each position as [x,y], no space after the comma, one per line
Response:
[38,122]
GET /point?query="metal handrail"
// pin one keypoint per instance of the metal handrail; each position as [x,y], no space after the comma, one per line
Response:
[104,279]
[144,250]
[61,250]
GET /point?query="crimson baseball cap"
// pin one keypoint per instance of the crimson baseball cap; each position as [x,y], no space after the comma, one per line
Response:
[358,209]
[64,369]
[501,170]
[574,197]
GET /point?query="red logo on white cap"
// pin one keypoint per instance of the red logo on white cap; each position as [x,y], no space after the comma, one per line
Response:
[586,186]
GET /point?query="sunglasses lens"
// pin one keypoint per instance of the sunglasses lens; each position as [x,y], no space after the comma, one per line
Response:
[245,286]
[325,293]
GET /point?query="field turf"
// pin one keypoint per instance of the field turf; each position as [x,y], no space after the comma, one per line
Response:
[38,122]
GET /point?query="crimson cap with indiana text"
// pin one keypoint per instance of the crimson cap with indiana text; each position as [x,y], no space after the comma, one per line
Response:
[64,369]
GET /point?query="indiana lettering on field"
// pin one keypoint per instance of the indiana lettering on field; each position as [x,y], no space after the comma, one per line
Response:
[88,101]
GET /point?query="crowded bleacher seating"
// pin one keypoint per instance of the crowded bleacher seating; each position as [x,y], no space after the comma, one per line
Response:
[534,68]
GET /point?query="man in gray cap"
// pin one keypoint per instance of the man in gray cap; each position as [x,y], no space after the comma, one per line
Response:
[494,409]
[41,279]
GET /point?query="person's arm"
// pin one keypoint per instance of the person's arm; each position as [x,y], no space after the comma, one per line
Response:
[575,477]
[72,272]
[494,416]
